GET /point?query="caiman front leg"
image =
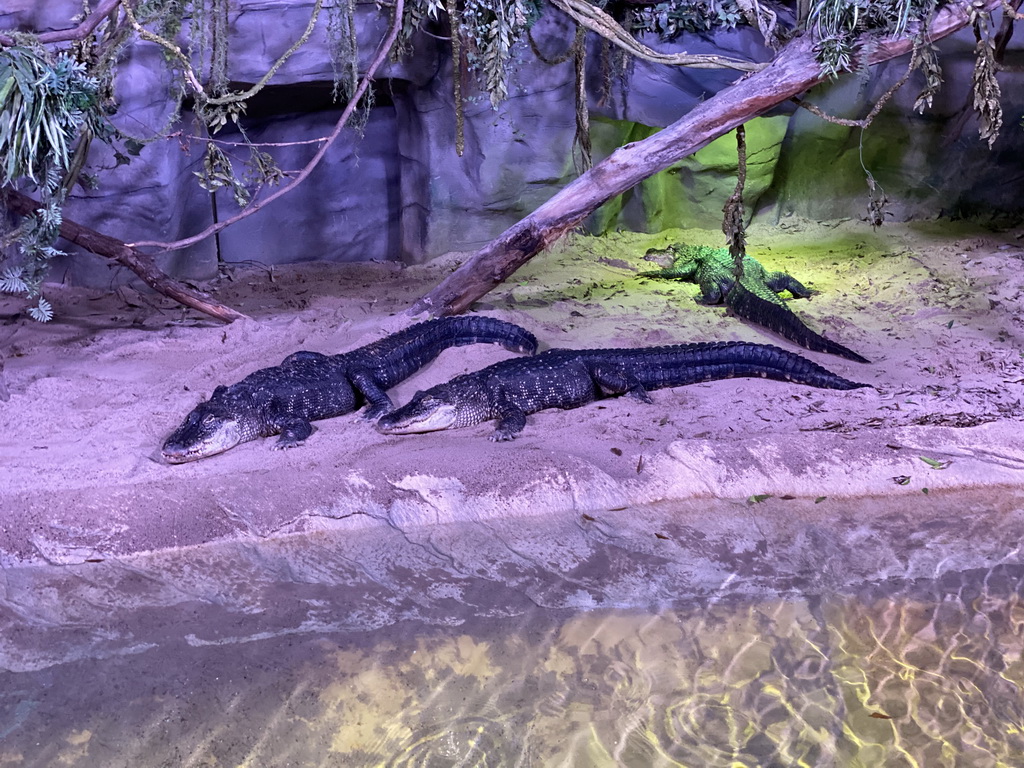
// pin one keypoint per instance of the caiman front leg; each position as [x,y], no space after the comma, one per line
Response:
[293,432]
[378,402]
[511,421]
[686,271]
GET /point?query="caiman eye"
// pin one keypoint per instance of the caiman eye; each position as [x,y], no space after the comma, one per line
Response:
[208,419]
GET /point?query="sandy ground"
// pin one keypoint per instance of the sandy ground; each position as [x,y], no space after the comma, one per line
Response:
[91,396]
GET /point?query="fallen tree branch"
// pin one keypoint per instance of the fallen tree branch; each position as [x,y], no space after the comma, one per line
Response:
[80,32]
[382,52]
[141,264]
[792,72]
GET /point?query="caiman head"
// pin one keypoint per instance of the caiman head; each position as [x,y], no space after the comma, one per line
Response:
[427,412]
[208,430]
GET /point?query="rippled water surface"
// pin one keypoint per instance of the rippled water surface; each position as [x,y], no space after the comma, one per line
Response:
[916,674]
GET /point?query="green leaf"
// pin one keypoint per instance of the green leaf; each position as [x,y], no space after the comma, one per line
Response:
[935,463]
[758,498]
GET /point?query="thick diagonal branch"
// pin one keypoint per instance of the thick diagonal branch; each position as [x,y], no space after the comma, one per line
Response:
[792,72]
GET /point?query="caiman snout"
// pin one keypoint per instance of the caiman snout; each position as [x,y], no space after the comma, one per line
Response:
[421,414]
[199,436]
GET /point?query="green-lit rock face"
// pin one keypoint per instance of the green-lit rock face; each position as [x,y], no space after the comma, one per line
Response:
[680,195]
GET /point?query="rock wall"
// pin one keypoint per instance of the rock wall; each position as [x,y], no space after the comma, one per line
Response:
[929,164]
[396,190]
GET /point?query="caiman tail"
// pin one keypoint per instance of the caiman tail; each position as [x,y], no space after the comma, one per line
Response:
[405,352]
[677,366]
[750,306]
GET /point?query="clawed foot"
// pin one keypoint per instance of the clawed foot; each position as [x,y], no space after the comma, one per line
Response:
[373,413]
[641,395]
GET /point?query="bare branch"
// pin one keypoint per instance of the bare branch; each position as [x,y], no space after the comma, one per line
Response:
[865,121]
[364,84]
[167,45]
[82,31]
[189,72]
[141,264]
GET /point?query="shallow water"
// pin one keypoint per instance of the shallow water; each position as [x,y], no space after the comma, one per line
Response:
[714,633]
[916,674]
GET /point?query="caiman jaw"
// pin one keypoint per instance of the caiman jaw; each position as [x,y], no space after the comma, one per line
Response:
[419,417]
[182,447]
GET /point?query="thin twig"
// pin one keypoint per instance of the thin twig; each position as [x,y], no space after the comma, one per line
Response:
[364,84]
[220,142]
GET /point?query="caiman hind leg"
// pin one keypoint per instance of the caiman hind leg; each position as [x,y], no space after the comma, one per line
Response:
[780,281]
[713,289]
[616,380]
[304,356]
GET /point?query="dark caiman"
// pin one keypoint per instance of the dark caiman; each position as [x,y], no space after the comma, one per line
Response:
[309,386]
[754,298]
[568,378]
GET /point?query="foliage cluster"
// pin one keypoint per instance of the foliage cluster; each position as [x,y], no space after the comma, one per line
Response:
[840,23]
[47,102]
[674,17]
[486,30]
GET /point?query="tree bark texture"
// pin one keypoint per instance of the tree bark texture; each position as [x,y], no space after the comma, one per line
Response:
[793,71]
[141,264]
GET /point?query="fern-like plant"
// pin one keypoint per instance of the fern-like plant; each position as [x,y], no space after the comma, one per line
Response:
[46,104]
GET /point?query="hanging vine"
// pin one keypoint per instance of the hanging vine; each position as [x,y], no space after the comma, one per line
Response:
[455,19]
[986,88]
[732,222]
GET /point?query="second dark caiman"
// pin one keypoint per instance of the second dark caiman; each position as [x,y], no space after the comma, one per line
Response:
[568,378]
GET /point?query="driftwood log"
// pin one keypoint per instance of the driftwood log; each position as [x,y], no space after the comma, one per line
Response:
[793,71]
